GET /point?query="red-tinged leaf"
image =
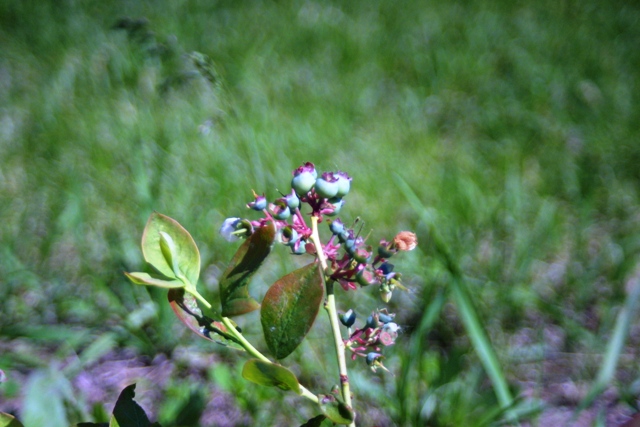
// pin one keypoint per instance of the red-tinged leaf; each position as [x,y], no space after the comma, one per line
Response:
[289,309]
[270,374]
[185,307]
[234,284]
[170,249]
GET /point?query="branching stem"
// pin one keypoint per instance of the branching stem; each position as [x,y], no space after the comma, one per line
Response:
[330,306]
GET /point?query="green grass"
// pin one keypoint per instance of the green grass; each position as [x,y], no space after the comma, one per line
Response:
[513,123]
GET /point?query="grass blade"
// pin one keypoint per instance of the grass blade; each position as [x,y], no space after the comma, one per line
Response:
[480,341]
[405,391]
[614,349]
[468,313]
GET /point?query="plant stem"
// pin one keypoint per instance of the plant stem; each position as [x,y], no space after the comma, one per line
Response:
[201,299]
[243,341]
[330,306]
[304,392]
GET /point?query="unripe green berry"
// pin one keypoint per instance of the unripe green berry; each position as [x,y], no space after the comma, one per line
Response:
[385,252]
[279,209]
[304,178]
[336,226]
[385,318]
[365,277]
[325,187]
[362,256]
[337,203]
[302,183]
[300,249]
[372,322]
[292,200]
[344,183]
[289,236]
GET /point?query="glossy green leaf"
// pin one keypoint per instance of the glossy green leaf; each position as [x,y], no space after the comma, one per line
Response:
[147,279]
[234,284]
[185,307]
[127,413]
[270,374]
[170,249]
[290,307]
[7,420]
[334,409]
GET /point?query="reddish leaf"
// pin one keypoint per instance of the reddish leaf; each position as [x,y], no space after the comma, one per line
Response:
[186,309]
[234,284]
[289,309]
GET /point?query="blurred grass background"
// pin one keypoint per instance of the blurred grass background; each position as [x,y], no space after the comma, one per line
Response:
[514,123]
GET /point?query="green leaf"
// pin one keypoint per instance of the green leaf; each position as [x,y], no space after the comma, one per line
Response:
[318,421]
[289,309]
[147,279]
[170,249]
[7,420]
[335,410]
[127,413]
[270,374]
[234,291]
[186,309]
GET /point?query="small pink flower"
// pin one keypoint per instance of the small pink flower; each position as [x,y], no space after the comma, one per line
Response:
[405,241]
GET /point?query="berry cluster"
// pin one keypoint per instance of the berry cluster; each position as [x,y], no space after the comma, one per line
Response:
[379,329]
[350,260]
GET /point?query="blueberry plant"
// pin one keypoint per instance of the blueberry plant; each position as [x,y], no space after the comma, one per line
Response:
[344,260]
